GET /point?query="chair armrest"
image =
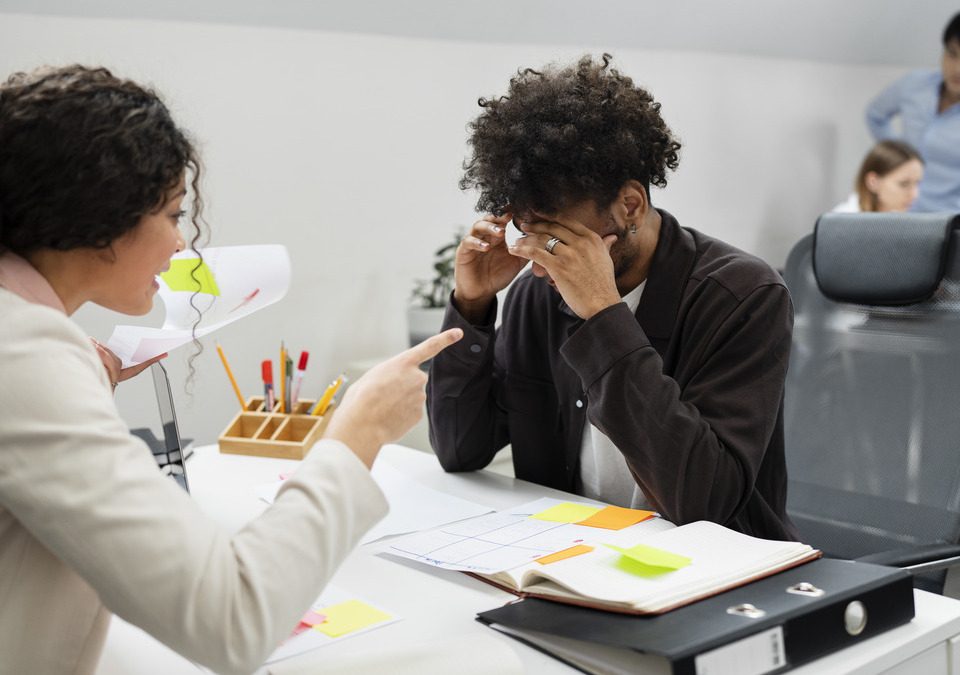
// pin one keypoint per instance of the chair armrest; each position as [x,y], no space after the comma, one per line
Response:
[924,558]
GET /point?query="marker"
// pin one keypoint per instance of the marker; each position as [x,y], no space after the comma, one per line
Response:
[283,378]
[233,381]
[266,369]
[324,401]
[298,378]
[288,383]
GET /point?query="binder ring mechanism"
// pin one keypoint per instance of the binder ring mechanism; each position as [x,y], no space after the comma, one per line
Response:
[746,610]
[805,588]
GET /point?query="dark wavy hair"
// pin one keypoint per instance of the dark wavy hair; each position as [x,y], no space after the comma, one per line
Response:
[84,156]
[561,136]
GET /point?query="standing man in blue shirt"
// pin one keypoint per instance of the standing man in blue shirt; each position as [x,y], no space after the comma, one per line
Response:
[928,104]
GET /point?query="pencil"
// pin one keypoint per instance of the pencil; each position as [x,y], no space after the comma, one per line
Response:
[233,380]
[324,401]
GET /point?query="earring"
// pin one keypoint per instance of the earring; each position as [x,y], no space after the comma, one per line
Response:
[633,228]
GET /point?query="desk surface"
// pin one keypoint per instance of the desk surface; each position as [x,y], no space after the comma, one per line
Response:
[437,603]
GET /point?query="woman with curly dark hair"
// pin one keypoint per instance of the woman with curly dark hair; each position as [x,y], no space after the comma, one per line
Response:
[93,172]
[638,362]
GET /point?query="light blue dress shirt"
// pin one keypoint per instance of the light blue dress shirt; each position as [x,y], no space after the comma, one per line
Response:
[915,98]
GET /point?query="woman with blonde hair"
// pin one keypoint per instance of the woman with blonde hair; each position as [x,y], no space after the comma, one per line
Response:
[888,179]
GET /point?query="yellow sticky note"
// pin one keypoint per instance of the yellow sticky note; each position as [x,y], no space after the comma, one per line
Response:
[349,616]
[579,549]
[647,561]
[567,512]
[616,518]
[182,277]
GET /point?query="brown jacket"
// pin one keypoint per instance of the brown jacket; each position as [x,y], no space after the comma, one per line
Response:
[690,389]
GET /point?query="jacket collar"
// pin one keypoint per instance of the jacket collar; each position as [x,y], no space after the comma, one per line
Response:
[672,264]
[20,277]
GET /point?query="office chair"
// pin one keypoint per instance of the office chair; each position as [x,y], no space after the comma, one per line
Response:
[872,400]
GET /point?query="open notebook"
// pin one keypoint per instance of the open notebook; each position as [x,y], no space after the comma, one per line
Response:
[645,568]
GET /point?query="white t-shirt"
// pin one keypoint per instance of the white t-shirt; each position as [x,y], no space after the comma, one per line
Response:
[603,470]
[850,205]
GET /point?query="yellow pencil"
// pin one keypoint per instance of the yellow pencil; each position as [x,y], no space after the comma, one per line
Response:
[233,381]
[283,378]
[324,401]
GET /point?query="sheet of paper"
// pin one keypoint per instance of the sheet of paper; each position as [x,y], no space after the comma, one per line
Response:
[232,282]
[333,596]
[498,541]
[616,518]
[413,506]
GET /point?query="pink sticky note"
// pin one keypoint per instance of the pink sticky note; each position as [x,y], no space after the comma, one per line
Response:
[309,620]
[312,618]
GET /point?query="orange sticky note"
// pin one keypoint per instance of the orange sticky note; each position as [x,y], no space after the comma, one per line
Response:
[616,518]
[579,549]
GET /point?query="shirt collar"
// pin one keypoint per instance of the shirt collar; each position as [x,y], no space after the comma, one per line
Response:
[20,277]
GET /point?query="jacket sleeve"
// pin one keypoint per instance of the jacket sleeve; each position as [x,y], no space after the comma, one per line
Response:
[467,427]
[74,477]
[882,110]
[694,447]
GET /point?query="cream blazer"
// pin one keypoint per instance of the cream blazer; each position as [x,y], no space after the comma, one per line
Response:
[89,526]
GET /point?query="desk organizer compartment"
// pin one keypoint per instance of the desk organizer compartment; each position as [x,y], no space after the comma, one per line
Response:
[255,431]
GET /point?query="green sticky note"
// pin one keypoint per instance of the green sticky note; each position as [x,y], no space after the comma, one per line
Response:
[566,512]
[182,277]
[348,617]
[647,561]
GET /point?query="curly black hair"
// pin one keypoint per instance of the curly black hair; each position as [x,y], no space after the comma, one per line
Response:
[565,135]
[84,156]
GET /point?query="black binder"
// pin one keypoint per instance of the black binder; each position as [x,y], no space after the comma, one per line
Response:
[768,626]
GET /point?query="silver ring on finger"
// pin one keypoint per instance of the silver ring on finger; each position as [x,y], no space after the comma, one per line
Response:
[552,244]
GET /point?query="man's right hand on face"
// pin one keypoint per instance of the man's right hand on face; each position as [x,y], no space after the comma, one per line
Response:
[483,267]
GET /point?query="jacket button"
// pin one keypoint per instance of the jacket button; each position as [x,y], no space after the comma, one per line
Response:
[475,348]
[579,403]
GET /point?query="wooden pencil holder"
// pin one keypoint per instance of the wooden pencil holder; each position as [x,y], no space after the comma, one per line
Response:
[255,431]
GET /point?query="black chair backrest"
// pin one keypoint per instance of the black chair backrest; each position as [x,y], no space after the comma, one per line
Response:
[872,402]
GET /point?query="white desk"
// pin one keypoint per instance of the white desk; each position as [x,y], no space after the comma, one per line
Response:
[437,603]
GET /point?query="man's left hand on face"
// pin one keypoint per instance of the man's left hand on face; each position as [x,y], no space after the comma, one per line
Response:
[579,263]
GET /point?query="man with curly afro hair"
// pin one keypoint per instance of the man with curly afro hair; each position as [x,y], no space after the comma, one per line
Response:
[638,362]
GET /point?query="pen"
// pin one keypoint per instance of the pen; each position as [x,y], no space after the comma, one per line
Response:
[233,381]
[324,401]
[298,379]
[266,369]
[283,378]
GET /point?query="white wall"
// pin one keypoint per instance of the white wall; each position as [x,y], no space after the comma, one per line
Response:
[347,149]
